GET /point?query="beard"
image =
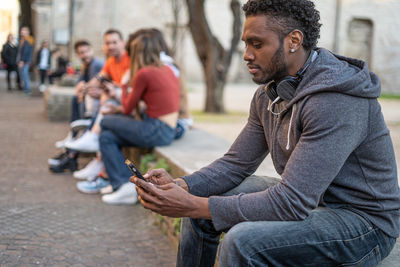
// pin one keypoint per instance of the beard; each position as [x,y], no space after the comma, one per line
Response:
[275,70]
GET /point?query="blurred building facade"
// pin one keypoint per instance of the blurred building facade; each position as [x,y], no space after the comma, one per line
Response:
[364,29]
[9,12]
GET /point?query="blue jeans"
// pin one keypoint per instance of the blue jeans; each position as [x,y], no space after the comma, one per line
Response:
[118,131]
[24,72]
[327,237]
[77,109]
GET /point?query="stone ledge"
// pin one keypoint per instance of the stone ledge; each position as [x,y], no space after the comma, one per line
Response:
[57,102]
[196,149]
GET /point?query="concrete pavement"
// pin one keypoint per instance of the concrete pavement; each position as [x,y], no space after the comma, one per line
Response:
[44,220]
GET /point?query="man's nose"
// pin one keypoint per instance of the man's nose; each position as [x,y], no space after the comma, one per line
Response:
[248,55]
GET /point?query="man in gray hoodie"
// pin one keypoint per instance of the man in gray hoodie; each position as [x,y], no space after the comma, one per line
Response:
[317,114]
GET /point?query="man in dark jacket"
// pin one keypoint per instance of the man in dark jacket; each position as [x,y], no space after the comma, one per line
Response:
[24,57]
[9,59]
[338,200]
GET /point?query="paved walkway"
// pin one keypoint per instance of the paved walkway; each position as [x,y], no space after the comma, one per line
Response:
[44,220]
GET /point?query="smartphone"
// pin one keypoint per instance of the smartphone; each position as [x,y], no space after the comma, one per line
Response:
[133,169]
[103,79]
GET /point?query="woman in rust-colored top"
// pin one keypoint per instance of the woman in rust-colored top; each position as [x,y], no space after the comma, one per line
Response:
[157,86]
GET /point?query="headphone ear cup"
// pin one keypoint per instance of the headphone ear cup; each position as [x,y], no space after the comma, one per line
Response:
[270,89]
[287,87]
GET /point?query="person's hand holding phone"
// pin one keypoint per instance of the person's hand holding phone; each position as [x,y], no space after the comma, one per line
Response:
[94,92]
[158,192]
[158,177]
[171,200]
[109,88]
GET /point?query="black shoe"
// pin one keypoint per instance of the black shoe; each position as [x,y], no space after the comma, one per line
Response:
[56,159]
[66,164]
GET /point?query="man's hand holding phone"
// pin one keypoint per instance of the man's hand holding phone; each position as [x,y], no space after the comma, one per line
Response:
[158,192]
[109,87]
[94,92]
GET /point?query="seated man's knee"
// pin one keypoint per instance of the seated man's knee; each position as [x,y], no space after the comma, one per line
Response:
[235,246]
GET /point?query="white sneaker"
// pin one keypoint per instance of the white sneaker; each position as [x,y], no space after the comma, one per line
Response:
[106,190]
[90,171]
[61,143]
[88,142]
[78,125]
[42,88]
[126,194]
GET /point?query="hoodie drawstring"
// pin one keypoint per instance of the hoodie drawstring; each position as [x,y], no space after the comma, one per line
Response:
[290,127]
[270,105]
[270,109]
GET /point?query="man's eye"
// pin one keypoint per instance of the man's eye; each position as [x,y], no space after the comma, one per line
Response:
[257,45]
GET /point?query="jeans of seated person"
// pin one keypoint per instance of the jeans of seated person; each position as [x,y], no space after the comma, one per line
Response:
[118,131]
[77,109]
[327,237]
[24,72]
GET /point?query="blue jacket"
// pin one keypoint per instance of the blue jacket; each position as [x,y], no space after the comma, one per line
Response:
[26,52]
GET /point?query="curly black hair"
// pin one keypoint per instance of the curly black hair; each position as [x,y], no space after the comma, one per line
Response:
[289,15]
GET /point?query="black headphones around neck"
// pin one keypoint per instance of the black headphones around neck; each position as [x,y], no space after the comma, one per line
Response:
[286,87]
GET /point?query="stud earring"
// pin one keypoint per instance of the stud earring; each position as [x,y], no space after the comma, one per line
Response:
[291,50]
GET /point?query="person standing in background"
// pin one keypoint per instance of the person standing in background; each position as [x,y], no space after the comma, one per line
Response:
[43,59]
[24,57]
[9,59]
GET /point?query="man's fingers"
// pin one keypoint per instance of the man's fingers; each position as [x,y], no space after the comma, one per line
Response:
[166,186]
[148,205]
[148,197]
[148,187]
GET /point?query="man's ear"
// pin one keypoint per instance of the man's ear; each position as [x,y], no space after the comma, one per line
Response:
[295,40]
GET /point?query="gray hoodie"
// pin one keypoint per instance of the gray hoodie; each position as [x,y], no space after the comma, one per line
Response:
[330,145]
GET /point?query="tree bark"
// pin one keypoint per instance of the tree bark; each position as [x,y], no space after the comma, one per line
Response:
[214,58]
[25,18]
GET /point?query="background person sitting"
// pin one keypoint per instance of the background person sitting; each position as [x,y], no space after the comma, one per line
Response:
[116,65]
[158,87]
[60,67]
[84,106]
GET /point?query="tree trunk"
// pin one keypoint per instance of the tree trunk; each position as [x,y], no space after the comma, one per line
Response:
[213,57]
[25,18]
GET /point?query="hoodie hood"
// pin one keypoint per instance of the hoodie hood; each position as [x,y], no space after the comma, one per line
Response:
[334,73]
